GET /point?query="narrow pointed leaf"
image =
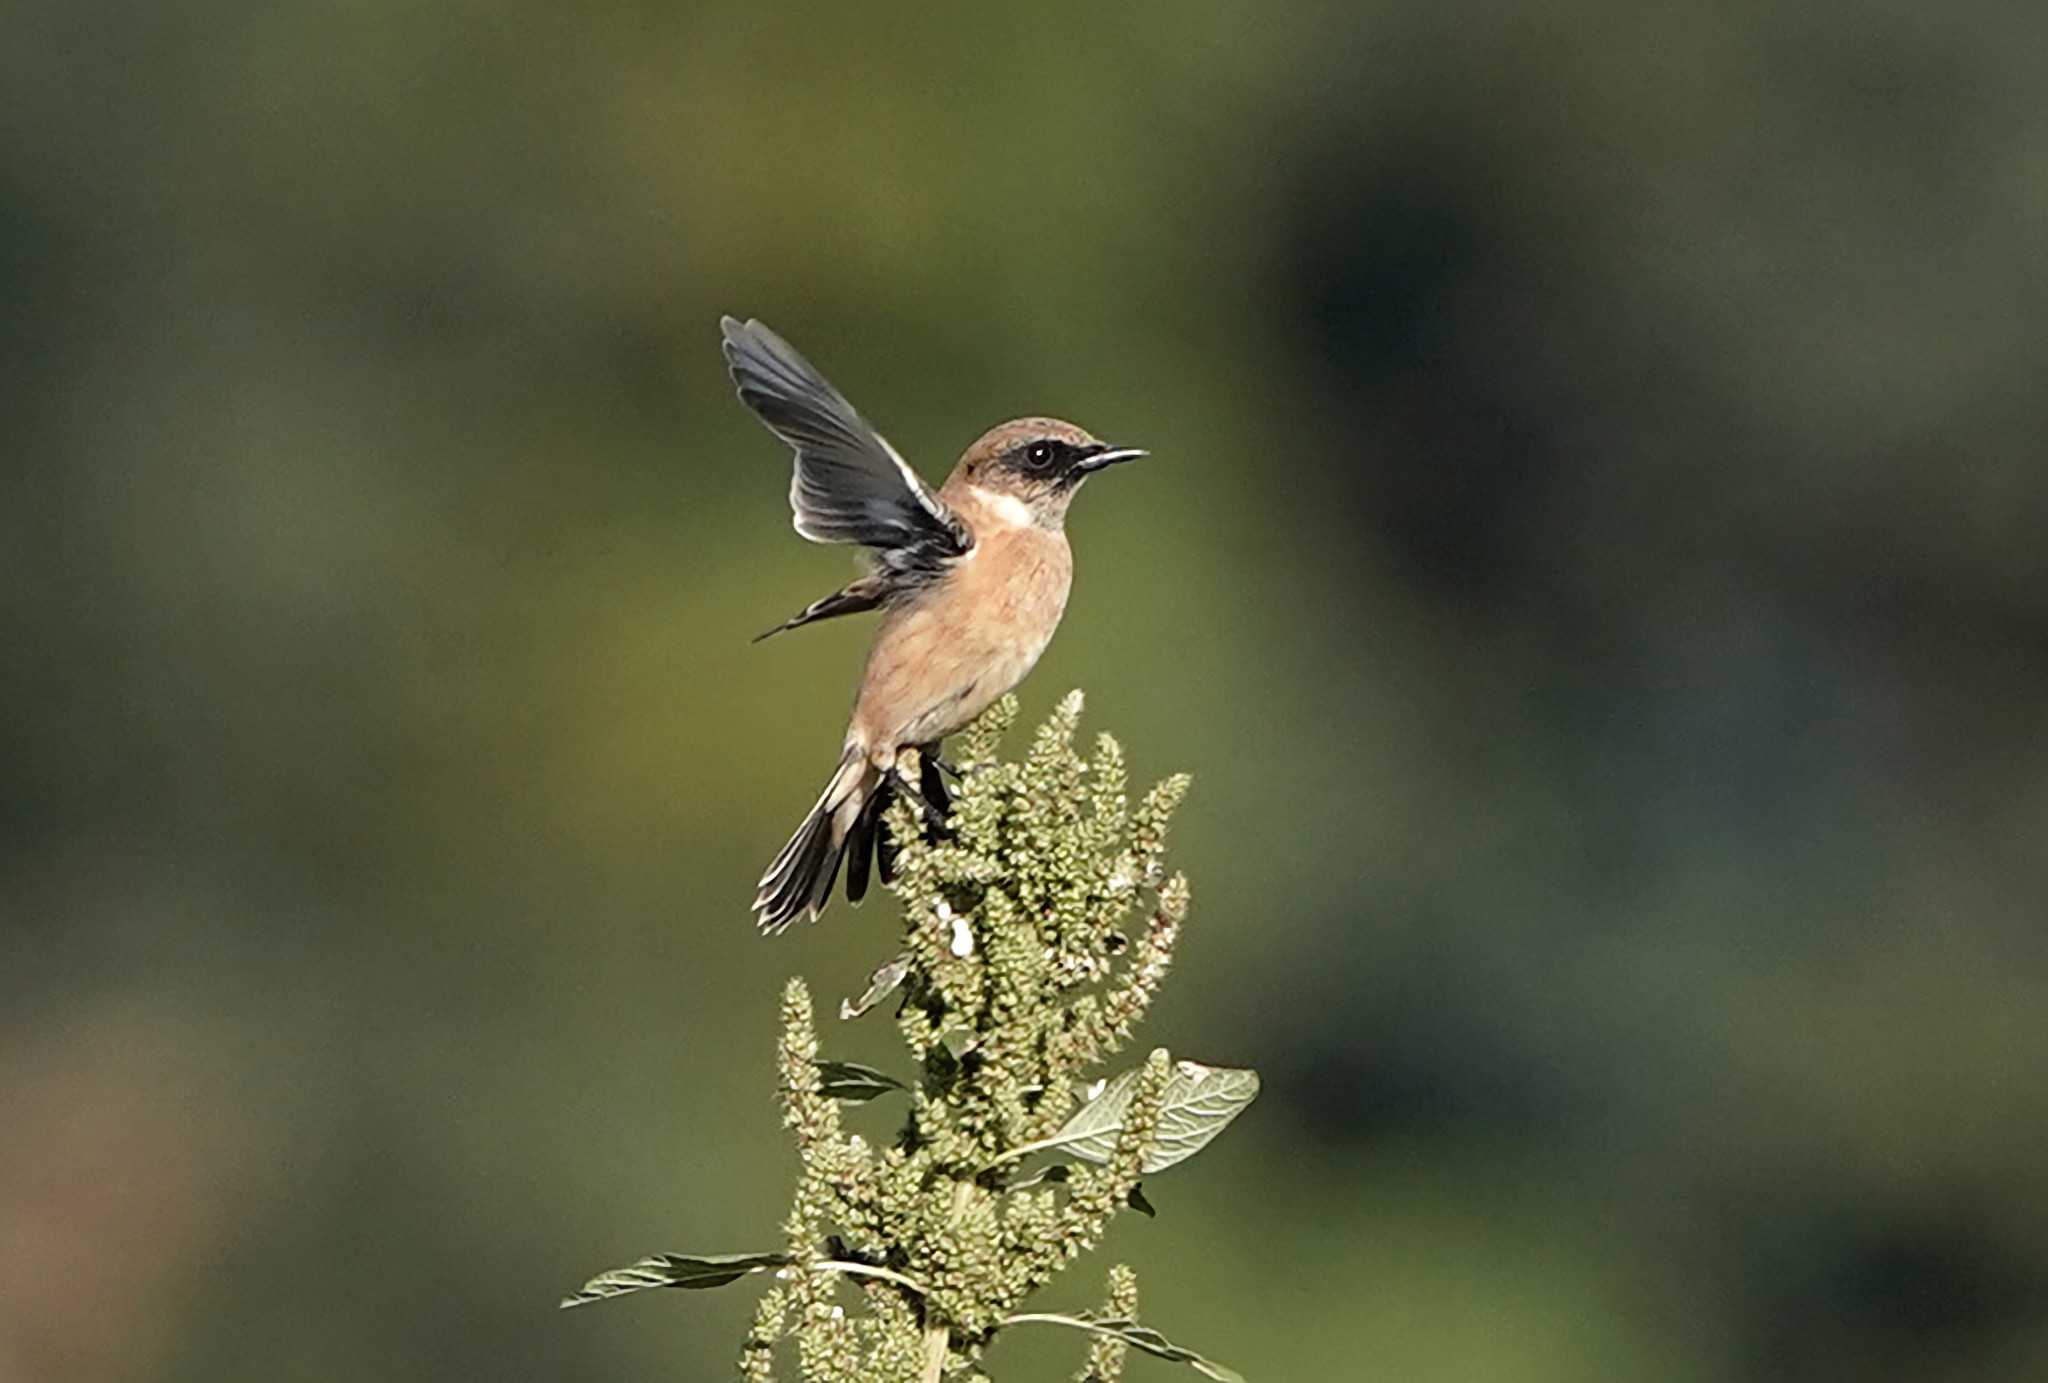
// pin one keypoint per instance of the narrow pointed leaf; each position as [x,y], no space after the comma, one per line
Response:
[881,985]
[1140,1337]
[674,1270]
[1199,1103]
[853,1082]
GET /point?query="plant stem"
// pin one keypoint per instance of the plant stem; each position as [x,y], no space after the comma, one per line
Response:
[1027,1149]
[937,1332]
[863,1270]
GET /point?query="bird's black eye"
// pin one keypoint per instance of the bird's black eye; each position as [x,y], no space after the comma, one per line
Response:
[1038,455]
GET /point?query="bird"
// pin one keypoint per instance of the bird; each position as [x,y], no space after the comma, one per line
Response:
[971,580]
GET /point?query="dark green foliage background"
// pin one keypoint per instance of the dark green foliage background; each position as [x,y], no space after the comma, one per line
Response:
[1592,563]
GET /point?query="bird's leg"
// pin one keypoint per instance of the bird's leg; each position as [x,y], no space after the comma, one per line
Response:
[930,753]
[934,780]
[906,769]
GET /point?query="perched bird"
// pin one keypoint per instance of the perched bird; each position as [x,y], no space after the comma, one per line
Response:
[971,581]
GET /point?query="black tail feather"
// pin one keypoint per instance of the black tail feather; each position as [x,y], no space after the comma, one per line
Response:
[932,782]
[799,882]
[828,874]
[885,857]
[861,845]
[787,888]
[864,594]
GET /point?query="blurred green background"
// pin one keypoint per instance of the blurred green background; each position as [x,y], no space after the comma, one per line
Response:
[1592,562]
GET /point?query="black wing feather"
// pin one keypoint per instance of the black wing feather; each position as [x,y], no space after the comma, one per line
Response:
[863,595]
[849,485]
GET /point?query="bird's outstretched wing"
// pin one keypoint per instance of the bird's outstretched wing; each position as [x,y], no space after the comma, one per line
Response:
[869,593]
[849,485]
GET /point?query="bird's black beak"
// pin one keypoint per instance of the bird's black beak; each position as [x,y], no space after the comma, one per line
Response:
[1106,456]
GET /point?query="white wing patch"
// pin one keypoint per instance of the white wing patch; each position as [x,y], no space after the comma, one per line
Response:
[916,483]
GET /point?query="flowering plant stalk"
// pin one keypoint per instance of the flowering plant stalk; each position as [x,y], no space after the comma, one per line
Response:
[1019,975]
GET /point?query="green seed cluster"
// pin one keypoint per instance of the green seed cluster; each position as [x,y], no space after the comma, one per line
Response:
[1025,972]
[1106,1356]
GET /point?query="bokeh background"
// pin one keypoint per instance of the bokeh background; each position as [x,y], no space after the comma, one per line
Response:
[1592,563]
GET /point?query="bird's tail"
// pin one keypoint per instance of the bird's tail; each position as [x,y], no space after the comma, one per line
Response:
[846,824]
[800,880]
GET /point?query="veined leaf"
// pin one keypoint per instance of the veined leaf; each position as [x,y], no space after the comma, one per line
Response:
[674,1270]
[853,1082]
[1141,1337]
[1199,1103]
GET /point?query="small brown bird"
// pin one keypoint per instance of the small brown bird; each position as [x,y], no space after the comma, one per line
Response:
[971,582]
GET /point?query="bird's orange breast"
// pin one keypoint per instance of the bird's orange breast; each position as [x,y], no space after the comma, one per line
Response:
[940,661]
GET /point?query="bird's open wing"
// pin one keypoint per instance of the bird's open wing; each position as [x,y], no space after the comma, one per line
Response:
[849,486]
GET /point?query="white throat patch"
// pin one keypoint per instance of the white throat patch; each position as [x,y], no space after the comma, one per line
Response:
[1005,509]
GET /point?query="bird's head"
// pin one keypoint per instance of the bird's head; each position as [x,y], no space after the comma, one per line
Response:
[1036,463]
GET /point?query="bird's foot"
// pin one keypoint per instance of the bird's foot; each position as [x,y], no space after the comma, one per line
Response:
[907,773]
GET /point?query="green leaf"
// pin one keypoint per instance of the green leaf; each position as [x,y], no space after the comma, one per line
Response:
[674,1270]
[1141,1337]
[1136,1201]
[853,1082]
[1199,1103]
[881,985]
